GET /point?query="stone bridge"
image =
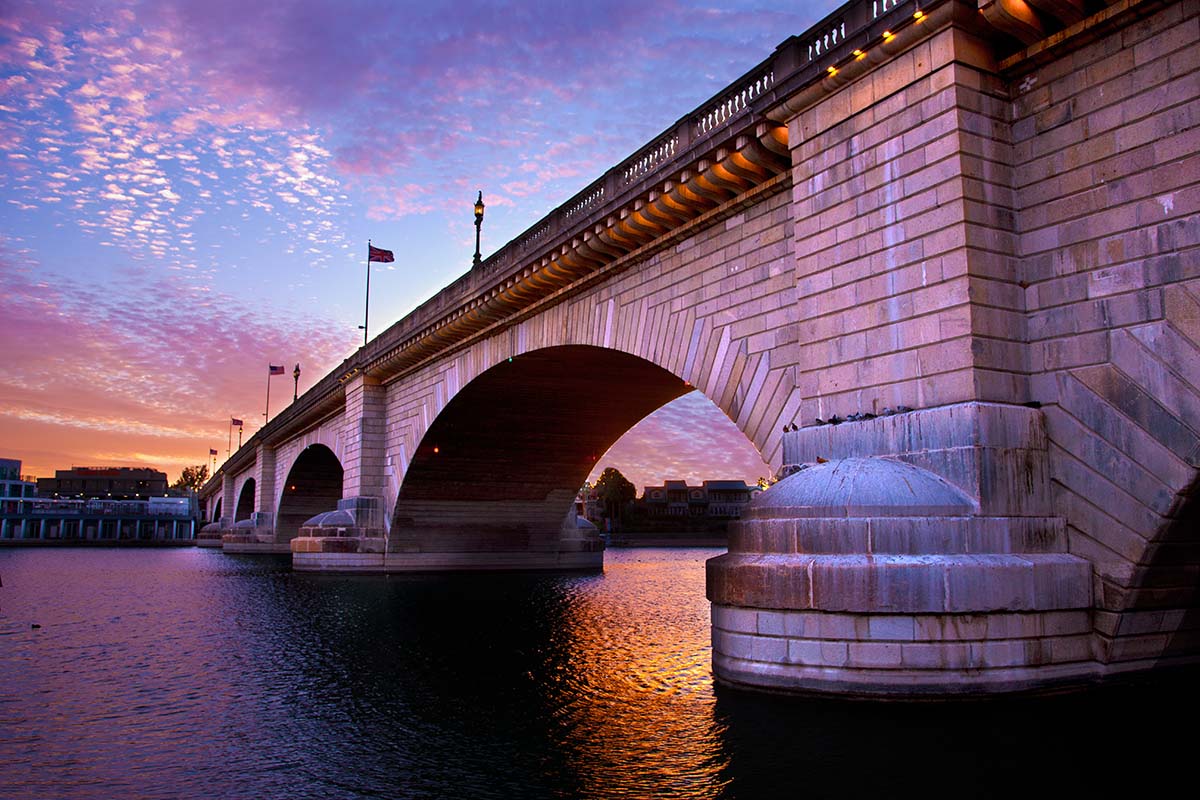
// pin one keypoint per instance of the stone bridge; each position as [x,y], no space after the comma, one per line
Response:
[938,262]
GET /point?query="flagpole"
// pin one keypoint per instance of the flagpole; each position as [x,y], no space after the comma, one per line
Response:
[229,445]
[268,409]
[367,305]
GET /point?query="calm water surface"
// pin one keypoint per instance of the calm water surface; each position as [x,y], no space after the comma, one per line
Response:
[195,674]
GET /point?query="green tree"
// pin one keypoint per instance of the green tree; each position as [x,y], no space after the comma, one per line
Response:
[192,478]
[616,492]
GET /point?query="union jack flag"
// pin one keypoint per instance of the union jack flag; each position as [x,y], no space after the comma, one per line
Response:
[379,254]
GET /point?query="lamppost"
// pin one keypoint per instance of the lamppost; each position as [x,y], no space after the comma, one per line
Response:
[296,379]
[478,224]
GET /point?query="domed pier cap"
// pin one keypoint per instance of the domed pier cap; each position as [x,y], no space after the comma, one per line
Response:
[861,487]
[331,519]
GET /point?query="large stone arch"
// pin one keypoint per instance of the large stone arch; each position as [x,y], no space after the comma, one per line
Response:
[313,486]
[216,511]
[724,326]
[245,503]
[498,467]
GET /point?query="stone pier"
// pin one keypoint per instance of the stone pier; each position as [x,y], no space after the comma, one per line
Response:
[914,554]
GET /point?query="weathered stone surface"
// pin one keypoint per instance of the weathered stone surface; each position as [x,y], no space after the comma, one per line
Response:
[860,487]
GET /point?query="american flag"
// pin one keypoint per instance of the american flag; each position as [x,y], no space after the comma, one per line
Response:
[379,254]
[235,421]
[275,370]
[212,452]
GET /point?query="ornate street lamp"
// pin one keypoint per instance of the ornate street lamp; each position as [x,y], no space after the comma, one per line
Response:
[296,379]
[478,224]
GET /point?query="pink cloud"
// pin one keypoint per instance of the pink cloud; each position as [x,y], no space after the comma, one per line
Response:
[156,362]
[687,439]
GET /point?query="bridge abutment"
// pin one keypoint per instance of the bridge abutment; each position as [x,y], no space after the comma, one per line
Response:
[1009,245]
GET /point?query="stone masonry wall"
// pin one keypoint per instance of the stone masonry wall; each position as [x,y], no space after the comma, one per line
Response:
[904,242]
[1106,149]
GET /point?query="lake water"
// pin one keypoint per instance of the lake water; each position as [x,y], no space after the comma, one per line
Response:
[194,674]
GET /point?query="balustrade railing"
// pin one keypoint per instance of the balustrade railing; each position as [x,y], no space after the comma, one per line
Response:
[732,104]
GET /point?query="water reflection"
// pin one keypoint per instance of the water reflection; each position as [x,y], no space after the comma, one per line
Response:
[194,674]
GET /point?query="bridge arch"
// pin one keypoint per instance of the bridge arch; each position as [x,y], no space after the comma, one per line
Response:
[501,463]
[216,511]
[245,502]
[313,486]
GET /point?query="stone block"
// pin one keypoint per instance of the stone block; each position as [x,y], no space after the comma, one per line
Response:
[1130,648]
[769,649]
[1010,653]
[1066,623]
[830,626]
[918,535]
[1061,581]
[771,623]
[827,535]
[799,624]
[1065,649]
[735,645]
[950,627]
[898,627]
[886,584]
[940,656]
[735,620]
[985,583]
[805,652]
[875,654]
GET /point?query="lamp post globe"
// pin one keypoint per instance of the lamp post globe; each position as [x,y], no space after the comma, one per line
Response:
[296,380]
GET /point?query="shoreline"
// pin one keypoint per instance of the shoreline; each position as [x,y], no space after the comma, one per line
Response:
[97,542]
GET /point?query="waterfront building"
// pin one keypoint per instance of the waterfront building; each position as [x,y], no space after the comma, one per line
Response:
[711,500]
[14,485]
[94,504]
[118,483]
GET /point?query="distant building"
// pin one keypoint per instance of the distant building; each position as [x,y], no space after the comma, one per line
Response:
[710,500]
[118,483]
[95,504]
[14,485]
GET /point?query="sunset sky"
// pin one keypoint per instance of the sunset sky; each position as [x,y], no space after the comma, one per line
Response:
[187,190]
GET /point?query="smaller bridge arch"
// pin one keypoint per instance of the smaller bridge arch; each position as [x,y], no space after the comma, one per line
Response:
[313,486]
[216,511]
[245,502]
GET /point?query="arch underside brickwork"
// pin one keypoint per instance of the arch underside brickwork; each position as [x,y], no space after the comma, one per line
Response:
[500,465]
[312,486]
[245,503]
